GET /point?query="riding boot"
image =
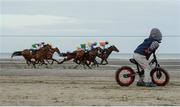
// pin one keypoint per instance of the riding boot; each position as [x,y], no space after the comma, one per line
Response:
[150,84]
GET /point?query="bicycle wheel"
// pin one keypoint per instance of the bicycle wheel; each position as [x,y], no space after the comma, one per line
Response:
[125,76]
[159,76]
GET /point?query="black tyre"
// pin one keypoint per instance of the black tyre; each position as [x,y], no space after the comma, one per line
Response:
[125,76]
[160,77]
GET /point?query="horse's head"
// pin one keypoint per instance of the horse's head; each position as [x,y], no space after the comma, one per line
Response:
[99,49]
[47,46]
[113,47]
[57,50]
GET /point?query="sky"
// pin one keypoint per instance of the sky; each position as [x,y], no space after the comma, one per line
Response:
[68,23]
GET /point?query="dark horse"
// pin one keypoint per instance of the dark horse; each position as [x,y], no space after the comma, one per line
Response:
[83,57]
[39,56]
[105,54]
[91,56]
[78,57]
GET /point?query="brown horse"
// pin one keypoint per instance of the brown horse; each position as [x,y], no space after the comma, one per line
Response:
[50,53]
[86,58]
[25,53]
[105,54]
[68,56]
[78,57]
[39,56]
[91,56]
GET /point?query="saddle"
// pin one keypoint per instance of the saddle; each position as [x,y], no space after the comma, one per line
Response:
[33,51]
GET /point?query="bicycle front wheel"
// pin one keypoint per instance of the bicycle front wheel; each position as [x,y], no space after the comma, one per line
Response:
[160,77]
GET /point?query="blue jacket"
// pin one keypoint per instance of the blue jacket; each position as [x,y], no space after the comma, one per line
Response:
[149,44]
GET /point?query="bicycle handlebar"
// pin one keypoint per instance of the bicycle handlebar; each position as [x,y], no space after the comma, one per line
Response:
[154,60]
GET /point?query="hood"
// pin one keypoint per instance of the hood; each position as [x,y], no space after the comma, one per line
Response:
[156,34]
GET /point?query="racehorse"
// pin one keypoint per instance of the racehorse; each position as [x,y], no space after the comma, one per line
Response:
[77,56]
[25,53]
[92,54]
[50,53]
[105,54]
[68,56]
[39,56]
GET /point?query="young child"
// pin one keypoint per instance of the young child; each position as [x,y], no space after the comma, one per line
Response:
[142,54]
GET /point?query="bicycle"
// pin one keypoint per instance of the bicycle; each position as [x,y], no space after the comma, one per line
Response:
[125,75]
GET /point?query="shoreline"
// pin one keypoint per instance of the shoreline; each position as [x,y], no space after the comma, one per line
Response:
[113,64]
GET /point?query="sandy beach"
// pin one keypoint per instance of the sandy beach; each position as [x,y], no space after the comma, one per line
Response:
[71,85]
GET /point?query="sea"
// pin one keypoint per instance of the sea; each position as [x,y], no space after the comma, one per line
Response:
[112,56]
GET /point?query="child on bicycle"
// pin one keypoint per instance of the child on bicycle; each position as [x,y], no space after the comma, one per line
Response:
[142,54]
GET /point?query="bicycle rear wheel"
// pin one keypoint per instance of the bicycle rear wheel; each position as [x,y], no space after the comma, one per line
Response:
[125,76]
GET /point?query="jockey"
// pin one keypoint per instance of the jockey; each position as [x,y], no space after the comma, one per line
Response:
[37,46]
[41,45]
[83,47]
[103,44]
[92,45]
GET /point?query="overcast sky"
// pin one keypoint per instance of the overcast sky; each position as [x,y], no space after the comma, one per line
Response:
[125,23]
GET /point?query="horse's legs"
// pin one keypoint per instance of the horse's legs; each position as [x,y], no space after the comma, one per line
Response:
[54,60]
[27,62]
[88,65]
[51,62]
[34,64]
[102,61]
[96,63]
[62,61]
[106,61]
[85,62]
[48,61]
[89,62]
[65,59]
[43,62]
[76,61]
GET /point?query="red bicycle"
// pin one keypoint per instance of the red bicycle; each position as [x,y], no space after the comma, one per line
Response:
[125,75]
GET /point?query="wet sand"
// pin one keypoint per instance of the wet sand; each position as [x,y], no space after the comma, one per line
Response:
[68,85]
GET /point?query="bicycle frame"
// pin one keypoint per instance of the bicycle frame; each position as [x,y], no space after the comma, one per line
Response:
[154,60]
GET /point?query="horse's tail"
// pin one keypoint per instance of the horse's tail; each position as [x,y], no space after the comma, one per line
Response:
[68,53]
[17,53]
[63,54]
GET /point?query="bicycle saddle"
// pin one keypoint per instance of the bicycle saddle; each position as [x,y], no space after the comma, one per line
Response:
[132,60]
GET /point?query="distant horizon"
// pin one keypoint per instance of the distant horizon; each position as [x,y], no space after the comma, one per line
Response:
[114,55]
[68,23]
